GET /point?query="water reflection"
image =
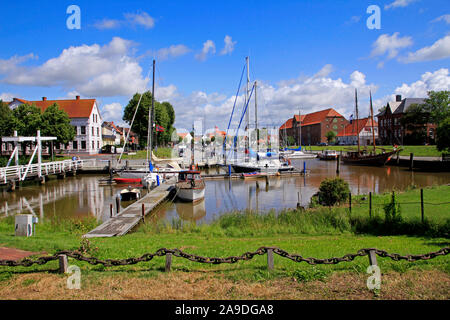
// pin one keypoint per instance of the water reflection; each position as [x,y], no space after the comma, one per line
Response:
[84,196]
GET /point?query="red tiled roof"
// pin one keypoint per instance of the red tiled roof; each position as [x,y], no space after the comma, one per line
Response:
[350,129]
[75,108]
[287,124]
[317,117]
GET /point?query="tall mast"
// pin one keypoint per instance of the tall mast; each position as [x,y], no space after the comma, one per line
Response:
[150,120]
[371,116]
[256,121]
[357,125]
[300,129]
[247,115]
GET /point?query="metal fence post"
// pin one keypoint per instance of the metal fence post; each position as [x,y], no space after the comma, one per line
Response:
[372,258]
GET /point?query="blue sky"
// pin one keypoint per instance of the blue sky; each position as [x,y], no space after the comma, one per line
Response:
[305,54]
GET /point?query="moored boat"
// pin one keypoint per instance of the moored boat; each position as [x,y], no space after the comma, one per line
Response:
[127,180]
[130,194]
[328,155]
[190,186]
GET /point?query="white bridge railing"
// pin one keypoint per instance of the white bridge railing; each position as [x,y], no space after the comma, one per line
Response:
[22,172]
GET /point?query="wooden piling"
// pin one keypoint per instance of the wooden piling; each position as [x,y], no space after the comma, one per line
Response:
[372,258]
[111,210]
[370,204]
[168,262]
[411,161]
[338,164]
[421,205]
[117,204]
[270,259]
[143,212]
[350,201]
[63,263]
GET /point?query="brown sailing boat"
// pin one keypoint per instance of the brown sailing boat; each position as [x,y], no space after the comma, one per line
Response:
[362,157]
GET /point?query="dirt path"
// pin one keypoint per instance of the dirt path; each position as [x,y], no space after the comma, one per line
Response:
[209,285]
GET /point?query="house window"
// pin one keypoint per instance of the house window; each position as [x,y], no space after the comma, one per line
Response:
[93,131]
[98,131]
[98,144]
[83,129]
[83,145]
[75,145]
[93,145]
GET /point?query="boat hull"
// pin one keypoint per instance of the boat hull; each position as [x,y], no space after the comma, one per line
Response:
[127,180]
[369,160]
[191,194]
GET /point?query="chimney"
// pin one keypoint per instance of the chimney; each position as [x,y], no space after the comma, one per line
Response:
[44,98]
[398,97]
[77,97]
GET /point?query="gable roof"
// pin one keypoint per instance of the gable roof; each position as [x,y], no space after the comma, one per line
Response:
[75,108]
[406,103]
[317,117]
[287,124]
[350,129]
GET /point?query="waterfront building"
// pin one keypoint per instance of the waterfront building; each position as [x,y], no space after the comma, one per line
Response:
[361,129]
[391,129]
[84,116]
[314,127]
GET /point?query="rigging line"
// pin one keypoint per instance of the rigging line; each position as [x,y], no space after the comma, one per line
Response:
[234,105]
[132,120]
[243,114]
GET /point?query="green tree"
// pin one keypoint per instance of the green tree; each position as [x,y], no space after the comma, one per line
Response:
[330,136]
[26,120]
[437,105]
[56,123]
[6,124]
[443,135]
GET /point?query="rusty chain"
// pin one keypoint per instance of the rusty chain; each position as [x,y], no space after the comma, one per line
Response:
[215,260]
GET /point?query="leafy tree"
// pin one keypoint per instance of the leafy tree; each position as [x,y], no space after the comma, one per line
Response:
[6,125]
[443,135]
[26,120]
[56,122]
[437,104]
[164,116]
[330,136]
[290,140]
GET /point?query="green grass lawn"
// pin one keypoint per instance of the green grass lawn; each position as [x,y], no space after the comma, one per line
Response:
[161,152]
[419,151]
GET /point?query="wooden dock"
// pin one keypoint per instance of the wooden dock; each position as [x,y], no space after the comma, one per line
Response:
[125,220]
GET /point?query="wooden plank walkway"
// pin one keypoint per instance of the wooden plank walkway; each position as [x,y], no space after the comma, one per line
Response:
[132,215]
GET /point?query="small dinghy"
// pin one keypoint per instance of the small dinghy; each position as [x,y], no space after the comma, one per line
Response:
[130,194]
[253,175]
[127,180]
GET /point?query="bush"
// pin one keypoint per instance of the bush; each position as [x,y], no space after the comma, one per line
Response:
[333,191]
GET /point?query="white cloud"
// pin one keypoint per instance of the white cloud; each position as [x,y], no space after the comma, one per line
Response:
[141,19]
[445,17]
[429,81]
[208,47]
[172,52]
[398,4]
[390,45]
[113,112]
[130,19]
[7,96]
[91,70]
[438,50]
[229,45]
[276,103]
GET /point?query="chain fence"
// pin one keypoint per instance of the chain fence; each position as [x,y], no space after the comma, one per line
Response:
[77,255]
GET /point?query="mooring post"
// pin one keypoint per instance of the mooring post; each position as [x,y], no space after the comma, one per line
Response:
[110,210]
[63,263]
[117,204]
[270,259]
[370,204]
[110,170]
[304,167]
[143,212]
[168,262]
[338,164]
[350,201]
[421,205]
[372,258]
[411,161]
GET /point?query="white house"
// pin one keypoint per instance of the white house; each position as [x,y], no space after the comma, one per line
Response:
[84,115]
[348,135]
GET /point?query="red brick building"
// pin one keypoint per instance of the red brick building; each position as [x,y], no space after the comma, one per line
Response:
[391,130]
[314,127]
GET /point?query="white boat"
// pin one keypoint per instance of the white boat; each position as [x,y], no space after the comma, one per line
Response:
[190,186]
[151,180]
[328,155]
[130,194]
[301,155]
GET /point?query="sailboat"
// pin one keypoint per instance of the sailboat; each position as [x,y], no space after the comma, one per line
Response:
[268,162]
[362,157]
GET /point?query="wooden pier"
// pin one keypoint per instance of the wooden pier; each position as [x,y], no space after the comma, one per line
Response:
[127,219]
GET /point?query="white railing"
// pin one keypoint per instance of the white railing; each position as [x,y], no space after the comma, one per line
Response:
[20,173]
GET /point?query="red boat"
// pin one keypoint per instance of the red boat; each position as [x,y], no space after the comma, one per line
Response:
[127,180]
